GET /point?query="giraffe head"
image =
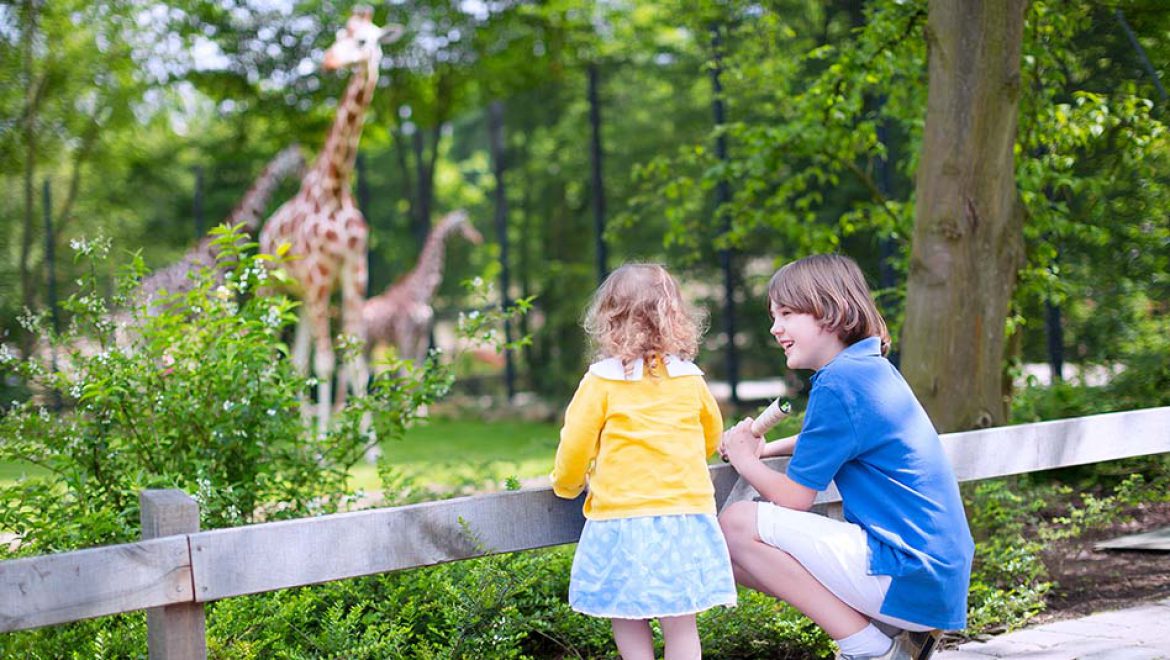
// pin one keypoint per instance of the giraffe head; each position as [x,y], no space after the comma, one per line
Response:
[459,220]
[360,41]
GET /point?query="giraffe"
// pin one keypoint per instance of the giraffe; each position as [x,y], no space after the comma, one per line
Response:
[248,212]
[321,225]
[175,278]
[402,314]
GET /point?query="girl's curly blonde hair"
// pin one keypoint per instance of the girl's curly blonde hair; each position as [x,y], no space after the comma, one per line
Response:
[639,312]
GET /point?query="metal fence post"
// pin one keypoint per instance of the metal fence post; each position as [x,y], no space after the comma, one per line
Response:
[174,632]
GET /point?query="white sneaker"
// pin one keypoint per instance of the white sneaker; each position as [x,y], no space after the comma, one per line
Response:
[907,646]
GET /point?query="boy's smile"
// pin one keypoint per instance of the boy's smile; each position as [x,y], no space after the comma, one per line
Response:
[806,344]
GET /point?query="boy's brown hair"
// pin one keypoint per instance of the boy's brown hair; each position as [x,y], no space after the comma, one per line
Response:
[832,288]
[639,312]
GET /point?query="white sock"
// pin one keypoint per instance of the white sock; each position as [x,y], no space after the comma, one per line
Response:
[867,641]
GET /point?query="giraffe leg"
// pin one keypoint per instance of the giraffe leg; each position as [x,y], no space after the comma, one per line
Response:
[421,342]
[300,354]
[323,359]
[300,358]
[353,298]
[420,339]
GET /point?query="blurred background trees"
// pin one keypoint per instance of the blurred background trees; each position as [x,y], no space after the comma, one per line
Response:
[145,122]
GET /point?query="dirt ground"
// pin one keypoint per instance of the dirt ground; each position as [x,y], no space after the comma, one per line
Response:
[1089,581]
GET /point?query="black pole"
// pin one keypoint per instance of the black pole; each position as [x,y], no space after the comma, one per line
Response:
[1054,328]
[1141,53]
[722,196]
[422,216]
[51,258]
[598,182]
[496,133]
[51,282]
[198,206]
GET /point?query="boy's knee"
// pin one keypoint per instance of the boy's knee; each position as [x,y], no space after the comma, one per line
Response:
[738,521]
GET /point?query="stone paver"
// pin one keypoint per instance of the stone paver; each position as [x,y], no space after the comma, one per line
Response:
[1137,633]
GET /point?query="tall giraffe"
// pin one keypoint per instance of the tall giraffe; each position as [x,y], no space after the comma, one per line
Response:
[321,224]
[401,315]
[176,277]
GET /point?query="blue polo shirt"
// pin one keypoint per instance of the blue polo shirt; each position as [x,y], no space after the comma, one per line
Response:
[865,430]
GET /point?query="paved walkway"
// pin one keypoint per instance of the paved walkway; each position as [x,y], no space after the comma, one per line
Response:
[1137,633]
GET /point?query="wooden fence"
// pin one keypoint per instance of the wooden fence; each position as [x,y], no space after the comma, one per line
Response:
[176,568]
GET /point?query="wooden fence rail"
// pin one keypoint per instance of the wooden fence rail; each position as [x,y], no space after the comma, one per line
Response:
[172,575]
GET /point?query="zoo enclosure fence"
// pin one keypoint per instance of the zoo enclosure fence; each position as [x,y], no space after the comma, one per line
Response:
[176,568]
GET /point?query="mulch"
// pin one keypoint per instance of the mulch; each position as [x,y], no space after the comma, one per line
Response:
[1089,580]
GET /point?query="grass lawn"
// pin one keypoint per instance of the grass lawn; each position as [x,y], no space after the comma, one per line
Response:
[12,471]
[457,453]
[446,452]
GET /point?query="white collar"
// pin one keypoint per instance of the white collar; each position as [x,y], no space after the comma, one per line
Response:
[611,368]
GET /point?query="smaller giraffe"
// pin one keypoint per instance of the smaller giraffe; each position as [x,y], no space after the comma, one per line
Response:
[402,314]
[248,212]
[176,278]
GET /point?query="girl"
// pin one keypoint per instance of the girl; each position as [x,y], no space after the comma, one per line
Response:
[902,557]
[638,432]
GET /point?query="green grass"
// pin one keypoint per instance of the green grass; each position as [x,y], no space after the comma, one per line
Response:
[460,453]
[10,472]
[445,453]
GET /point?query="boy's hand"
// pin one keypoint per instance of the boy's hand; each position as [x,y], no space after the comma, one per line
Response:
[740,444]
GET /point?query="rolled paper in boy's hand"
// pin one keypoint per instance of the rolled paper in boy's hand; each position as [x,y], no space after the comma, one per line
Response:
[776,411]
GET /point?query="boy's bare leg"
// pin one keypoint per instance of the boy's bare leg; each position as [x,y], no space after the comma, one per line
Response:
[633,638]
[681,635]
[770,570]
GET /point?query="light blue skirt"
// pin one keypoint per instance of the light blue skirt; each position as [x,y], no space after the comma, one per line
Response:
[650,567]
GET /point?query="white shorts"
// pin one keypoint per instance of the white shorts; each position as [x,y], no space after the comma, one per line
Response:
[835,552]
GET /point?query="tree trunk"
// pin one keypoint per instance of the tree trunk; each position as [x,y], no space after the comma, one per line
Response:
[968,230]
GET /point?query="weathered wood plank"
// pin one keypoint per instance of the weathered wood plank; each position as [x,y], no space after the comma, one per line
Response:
[1007,450]
[244,560]
[1061,443]
[173,632]
[230,562]
[41,591]
[233,562]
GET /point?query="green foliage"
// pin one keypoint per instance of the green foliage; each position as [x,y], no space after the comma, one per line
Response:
[194,393]
[1008,578]
[761,627]
[504,606]
[1018,524]
[109,638]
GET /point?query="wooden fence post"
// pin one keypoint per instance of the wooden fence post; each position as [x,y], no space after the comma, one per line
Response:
[174,632]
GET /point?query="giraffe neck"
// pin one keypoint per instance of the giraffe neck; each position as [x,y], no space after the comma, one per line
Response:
[335,163]
[426,276]
[251,207]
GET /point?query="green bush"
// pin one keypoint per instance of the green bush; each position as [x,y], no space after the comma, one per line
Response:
[505,606]
[195,394]
[1018,522]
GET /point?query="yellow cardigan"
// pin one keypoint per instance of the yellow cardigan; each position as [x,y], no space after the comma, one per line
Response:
[640,442]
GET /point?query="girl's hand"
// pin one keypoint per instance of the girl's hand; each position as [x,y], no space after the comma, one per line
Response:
[739,444]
